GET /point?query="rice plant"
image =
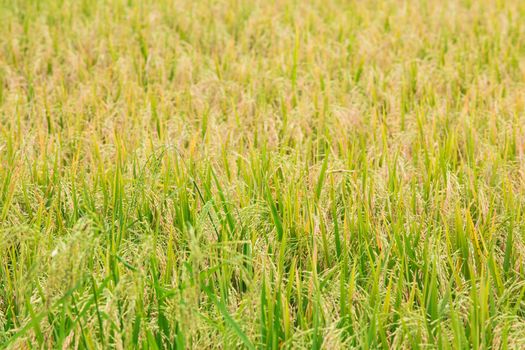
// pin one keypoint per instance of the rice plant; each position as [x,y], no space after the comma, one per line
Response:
[249,174]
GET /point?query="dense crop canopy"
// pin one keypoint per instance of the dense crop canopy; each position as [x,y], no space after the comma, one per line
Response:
[262,174]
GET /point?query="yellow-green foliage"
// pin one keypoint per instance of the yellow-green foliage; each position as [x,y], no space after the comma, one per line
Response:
[262,174]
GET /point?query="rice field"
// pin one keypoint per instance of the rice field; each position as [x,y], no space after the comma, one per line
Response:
[249,174]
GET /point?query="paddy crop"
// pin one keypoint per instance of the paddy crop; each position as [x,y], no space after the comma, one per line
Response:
[262,174]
